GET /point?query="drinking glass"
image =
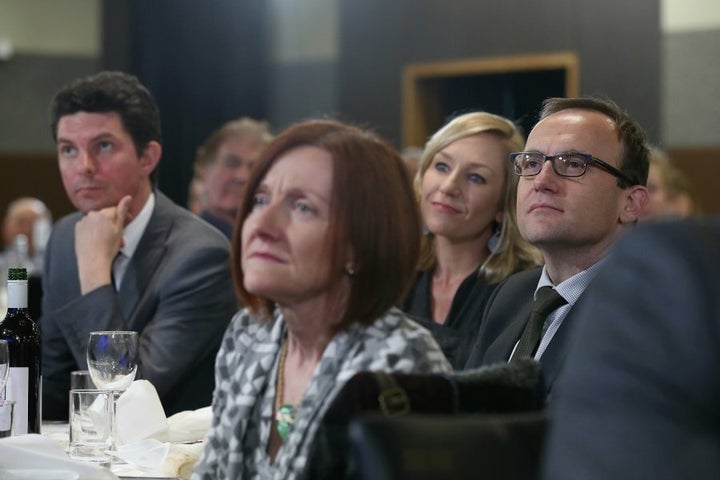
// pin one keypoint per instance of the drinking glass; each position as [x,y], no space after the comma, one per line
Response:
[112,358]
[91,426]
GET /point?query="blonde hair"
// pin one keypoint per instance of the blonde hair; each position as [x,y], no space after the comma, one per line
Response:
[512,252]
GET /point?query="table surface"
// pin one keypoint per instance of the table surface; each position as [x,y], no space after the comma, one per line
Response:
[60,433]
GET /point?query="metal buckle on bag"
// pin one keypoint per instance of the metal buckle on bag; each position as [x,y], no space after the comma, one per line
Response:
[394,402]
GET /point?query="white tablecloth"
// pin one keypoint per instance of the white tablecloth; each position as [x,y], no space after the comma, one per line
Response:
[59,433]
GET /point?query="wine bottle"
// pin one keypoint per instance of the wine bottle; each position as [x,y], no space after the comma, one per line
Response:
[23,337]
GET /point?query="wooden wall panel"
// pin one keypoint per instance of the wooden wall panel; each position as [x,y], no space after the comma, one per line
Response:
[617,43]
[33,175]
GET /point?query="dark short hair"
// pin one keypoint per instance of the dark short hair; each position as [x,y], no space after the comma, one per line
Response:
[635,162]
[106,92]
[372,209]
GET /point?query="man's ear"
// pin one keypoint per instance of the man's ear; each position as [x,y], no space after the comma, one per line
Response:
[635,201]
[150,156]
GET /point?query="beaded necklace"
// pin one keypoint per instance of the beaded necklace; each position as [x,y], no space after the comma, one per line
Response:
[284,414]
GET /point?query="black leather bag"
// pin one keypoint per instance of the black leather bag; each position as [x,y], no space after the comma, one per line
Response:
[503,388]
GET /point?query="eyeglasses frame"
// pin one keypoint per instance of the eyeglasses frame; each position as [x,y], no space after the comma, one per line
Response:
[588,158]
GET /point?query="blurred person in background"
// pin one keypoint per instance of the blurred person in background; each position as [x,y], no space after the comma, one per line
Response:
[25,230]
[411,156]
[466,190]
[670,193]
[222,165]
[197,198]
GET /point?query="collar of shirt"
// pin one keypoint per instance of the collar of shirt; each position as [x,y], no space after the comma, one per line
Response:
[573,287]
[570,290]
[135,229]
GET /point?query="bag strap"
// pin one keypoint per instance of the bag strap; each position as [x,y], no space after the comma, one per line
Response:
[392,398]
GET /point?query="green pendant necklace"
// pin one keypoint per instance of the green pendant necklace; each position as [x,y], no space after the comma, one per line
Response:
[284,414]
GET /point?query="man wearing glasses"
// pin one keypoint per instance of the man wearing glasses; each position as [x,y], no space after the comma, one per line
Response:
[582,184]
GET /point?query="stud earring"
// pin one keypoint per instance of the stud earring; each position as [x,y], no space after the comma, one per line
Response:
[349,270]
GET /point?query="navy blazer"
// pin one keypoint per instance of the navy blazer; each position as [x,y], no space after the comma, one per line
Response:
[177,292]
[507,312]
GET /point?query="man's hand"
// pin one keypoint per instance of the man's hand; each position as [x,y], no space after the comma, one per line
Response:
[98,238]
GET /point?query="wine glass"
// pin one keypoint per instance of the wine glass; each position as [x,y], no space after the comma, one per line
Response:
[112,358]
[4,367]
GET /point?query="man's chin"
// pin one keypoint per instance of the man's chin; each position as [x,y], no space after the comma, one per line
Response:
[86,205]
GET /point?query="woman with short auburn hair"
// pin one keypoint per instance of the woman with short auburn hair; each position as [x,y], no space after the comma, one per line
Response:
[326,242]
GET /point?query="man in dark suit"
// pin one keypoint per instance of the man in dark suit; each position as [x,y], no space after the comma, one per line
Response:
[640,396]
[130,259]
[581,185]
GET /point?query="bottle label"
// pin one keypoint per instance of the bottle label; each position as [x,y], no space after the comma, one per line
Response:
[17,294]
[17,389]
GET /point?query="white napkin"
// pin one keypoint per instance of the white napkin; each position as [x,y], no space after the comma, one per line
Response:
[144,433]
[140,414]
[35,456]
[189,425]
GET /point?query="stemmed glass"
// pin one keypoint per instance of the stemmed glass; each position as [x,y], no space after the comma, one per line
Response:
[112,358]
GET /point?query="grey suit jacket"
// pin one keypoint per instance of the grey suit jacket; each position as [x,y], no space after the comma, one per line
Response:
[640,395]
[177,292]
[506,314]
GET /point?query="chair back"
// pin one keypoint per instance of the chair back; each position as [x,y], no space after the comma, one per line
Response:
[458,447]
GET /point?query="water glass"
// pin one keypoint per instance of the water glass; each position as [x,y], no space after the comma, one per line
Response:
[91,419]
[7,418]
[81,380]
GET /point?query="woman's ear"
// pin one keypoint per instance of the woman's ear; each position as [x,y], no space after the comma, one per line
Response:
[500,217]
[351,266]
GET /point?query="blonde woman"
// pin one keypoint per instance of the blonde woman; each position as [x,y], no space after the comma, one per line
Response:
[466,192]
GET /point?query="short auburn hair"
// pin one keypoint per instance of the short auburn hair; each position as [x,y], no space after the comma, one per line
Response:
[372,210]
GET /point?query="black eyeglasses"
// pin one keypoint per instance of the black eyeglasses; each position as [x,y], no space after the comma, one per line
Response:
[568,164]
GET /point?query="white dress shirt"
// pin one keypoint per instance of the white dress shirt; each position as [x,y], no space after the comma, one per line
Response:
[131,238]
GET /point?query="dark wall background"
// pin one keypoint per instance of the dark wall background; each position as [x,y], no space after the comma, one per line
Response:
[618,43]
[205,63]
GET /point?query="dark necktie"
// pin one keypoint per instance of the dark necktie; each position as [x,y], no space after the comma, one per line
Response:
[117,259]
[546,301]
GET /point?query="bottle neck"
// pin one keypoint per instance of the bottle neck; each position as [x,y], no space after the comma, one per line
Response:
[17,294]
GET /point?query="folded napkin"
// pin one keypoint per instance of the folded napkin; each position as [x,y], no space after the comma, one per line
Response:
[34,456]
[149,441]
[189,426]
[159,459]
[140,414]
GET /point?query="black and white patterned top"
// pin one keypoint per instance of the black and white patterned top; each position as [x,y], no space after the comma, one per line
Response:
[245,374]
